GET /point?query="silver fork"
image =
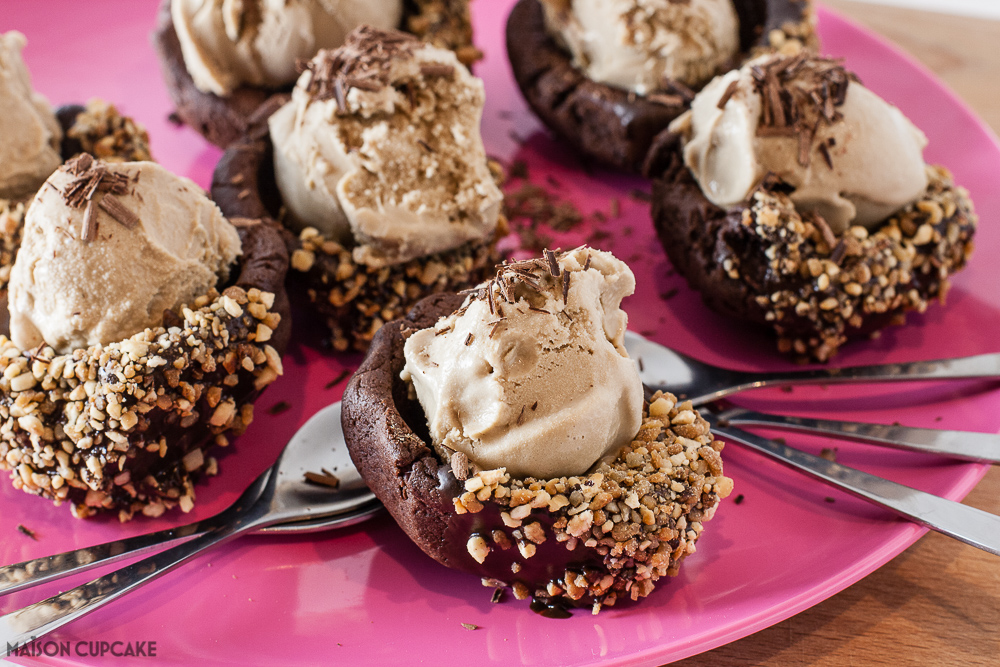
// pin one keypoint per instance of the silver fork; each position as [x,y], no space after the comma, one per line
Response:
[277,496]
[699,382]
[966,524]
[689,379]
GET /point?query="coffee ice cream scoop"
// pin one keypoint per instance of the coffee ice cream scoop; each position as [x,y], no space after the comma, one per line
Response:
[29,131]
[229,43]
[107,248]
[849,156]
[380,148]
[531,374]
[636,44]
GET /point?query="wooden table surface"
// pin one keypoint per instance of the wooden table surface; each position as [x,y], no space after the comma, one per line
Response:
[937,603]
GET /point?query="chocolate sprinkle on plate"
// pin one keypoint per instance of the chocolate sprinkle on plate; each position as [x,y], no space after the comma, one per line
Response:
[323,479]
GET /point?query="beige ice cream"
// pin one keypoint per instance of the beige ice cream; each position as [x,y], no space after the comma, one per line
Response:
[539,382]
[635,44]
[863,162]
[380,147]
[29,131]
[229,43]
[151,241]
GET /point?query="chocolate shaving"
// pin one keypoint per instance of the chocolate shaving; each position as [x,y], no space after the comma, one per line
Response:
[437,69]
[362,62]
[370,85]
[839,252]
[90,176]
[565,286]
[110,205]
[24,530]
[468,339]
[550,257]
[666,100]
[534,406]
[496,325]
[586,265]
[80,164]
[337,380]
[824,228]
[340,95]
[786,131]
[678,88]
[728,94]
[805,141]
[520,417]
[825,152]
[799,94]
[89,230]
[426,146]
[279,407]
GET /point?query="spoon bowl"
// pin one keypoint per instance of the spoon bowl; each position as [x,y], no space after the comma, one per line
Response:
[284,494]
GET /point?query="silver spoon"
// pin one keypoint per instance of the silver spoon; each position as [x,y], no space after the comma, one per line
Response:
[699,382]
[279,496]
[317,445]
[689,379]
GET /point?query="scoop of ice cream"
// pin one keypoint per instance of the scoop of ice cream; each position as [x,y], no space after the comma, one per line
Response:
[29,131]
[98,271]
[852,157]
[531,373]
[380,147]
[229,43]
[635,44]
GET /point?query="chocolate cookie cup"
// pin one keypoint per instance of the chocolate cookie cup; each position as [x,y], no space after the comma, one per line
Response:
[612,124]
[223,120]
[588,540]
[353,300]
[127,427]
[764,262]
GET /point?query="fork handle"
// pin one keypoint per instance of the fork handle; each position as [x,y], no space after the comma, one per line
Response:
[967,524]
[966,445]
[28,624]
[986,366]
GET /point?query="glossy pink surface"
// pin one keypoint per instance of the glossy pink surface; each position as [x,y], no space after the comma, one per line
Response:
[366,595]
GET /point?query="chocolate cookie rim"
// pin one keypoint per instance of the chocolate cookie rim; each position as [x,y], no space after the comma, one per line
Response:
[928,241]
[583,112]
[354,299]
[256,299]
[224,120]
[432,499]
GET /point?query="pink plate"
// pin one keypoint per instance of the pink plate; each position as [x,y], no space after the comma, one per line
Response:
[366,595]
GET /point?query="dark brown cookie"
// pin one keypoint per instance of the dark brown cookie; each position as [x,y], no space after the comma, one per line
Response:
[223,120]
[565,541]
[612,124]
[352,299]
[763,262]
[154,407]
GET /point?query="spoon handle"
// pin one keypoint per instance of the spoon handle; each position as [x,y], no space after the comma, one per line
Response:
[964,445]
[23,626]
[967,524]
